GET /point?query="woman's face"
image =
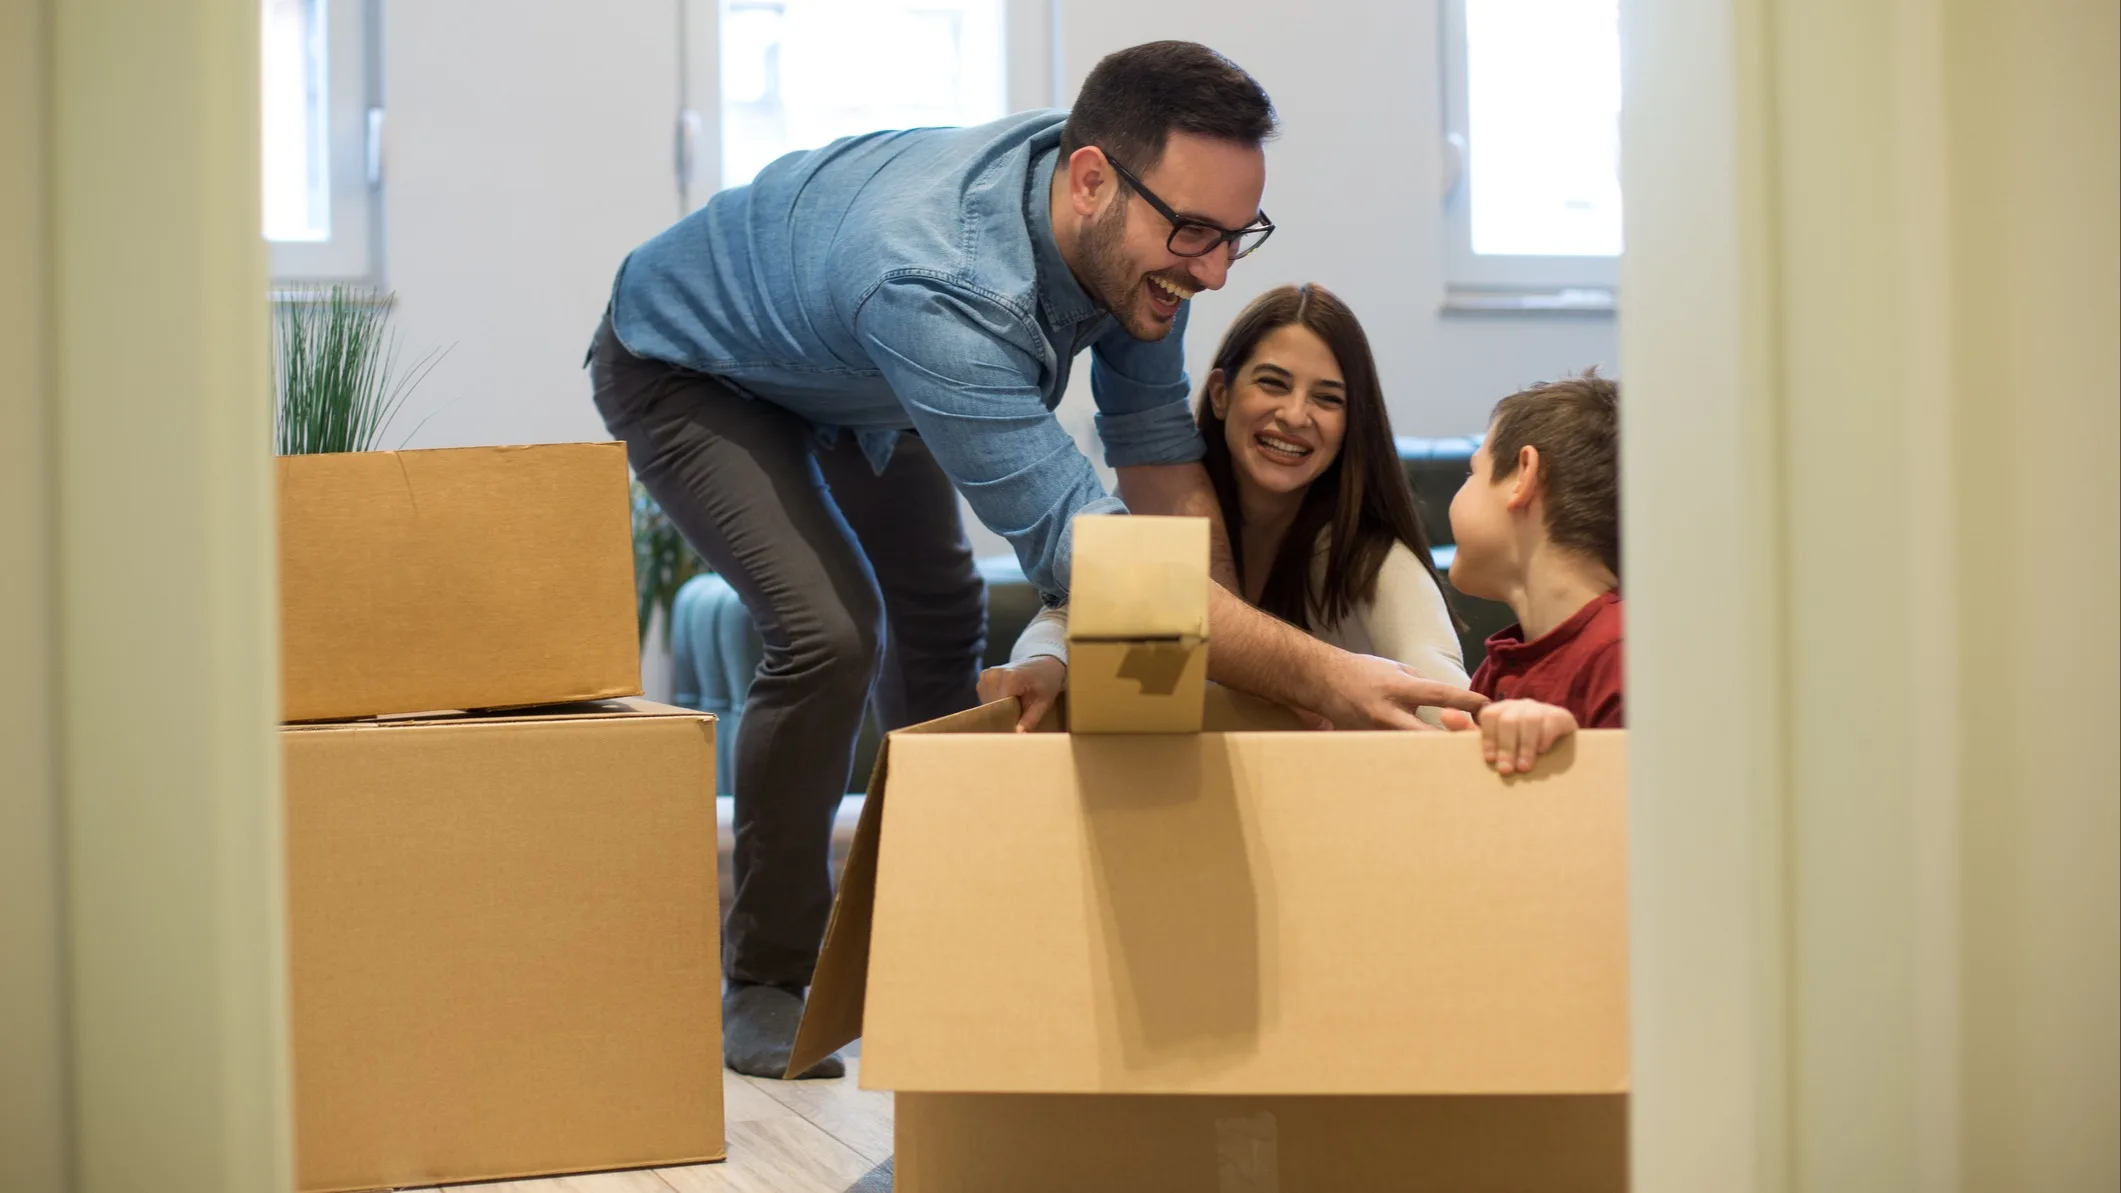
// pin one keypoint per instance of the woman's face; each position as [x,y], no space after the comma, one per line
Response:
[1285,413]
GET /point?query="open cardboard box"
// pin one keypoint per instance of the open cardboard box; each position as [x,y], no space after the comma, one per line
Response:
[502,945]
[477,577]
[1251,959]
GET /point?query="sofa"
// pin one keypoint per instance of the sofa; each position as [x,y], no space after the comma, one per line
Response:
[715,648]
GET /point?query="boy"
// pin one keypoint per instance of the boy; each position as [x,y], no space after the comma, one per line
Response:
[1538,528]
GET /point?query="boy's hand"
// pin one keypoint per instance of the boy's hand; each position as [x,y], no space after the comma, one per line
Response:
[1036,683]
[1514,733]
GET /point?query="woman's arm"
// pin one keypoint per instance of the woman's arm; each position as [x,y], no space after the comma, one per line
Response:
[1046,634]
[1036,672]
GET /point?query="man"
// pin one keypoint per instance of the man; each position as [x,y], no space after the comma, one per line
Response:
[809,369]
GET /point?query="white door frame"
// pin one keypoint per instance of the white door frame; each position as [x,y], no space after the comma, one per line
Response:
[1870,500]
[142,995]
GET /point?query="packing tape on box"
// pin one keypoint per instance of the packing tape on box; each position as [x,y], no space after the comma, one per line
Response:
[1247,1158]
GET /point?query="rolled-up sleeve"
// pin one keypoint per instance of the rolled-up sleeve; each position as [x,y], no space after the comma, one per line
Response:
[1141,391]
[973,396]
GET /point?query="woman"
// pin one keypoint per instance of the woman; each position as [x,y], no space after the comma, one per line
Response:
[1321,522]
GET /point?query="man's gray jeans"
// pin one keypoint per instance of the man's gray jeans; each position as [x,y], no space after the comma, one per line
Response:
[862,586]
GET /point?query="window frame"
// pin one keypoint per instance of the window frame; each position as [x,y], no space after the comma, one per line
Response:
[353,125]
[1473,281]
[1025,29]
[1030,80]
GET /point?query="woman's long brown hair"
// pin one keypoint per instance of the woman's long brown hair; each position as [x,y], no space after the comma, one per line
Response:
[1362,495]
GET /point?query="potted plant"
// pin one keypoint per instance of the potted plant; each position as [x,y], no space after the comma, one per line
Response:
[337,360]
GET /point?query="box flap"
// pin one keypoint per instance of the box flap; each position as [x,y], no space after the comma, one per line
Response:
[584,710]
[1138,578]
[832,1013]
[1247,913]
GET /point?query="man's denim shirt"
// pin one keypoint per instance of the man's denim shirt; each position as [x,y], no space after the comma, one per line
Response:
[910,281]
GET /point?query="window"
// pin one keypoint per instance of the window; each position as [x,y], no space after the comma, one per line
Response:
[1532,119]
[318,126]
[797,74]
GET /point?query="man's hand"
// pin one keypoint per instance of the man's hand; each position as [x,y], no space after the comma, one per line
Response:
[1514,733]
[1036,683]
[1368,692]
[1257,653]
[1309,719]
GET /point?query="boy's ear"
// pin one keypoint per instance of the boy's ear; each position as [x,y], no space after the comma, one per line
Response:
[1525,484]
[1219,394]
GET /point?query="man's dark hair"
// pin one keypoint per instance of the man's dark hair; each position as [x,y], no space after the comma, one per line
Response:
[1137,97]
[1575,424]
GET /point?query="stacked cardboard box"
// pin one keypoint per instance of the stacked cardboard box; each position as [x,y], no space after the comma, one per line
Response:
[502,930]
[470,578]
[1234,959]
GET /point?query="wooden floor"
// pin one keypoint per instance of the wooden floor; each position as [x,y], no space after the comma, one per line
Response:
[784,1137]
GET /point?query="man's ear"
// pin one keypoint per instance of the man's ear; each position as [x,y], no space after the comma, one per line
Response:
[1091,182]
[1219,393]
[1524,486]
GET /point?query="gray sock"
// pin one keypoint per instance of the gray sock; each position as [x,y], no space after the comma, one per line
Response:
[758,1032]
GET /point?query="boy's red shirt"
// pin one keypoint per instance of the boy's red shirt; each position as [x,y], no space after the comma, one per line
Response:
[1576,665]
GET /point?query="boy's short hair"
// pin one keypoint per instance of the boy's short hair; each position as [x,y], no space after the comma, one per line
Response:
[1575,424]
[1135,98]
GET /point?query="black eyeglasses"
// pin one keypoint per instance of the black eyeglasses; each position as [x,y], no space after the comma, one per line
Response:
[1198,238]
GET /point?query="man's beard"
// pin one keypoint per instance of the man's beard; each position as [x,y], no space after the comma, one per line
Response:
[1112,279]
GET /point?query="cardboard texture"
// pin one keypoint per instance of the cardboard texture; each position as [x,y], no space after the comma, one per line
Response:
[1393,964]
[1033,1143]
[487,577]
[503,949]
[1138,624]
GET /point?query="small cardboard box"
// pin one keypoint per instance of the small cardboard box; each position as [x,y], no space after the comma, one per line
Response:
[1250,960]
[503,945]
[1138,624]
[481,577]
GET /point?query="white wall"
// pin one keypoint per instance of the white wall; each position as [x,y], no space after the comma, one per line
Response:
[529,149]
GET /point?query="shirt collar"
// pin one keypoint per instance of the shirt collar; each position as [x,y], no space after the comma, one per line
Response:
[1063,298]
[1509,649]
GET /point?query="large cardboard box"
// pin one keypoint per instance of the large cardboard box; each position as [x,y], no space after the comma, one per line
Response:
[484,577]
[1251,960]
[503,945]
